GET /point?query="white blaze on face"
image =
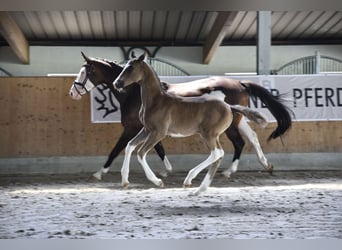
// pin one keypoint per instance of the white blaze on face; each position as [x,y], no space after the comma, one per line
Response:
[75,94]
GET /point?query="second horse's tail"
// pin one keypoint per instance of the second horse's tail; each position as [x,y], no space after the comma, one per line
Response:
[275,105]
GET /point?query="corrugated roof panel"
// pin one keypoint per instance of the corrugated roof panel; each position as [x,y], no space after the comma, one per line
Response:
[333,26]
[134,22]
[72,24]
[233,28]
[22,22]
[147,24]
[318,24]
[96,23]
[184,22]
[59,24]
[35,24]
[121,24]
[84,24]
[109,28]
[207,25]
[195,25]
[159,25]
[47,25]
[244,25]
[171,25]
[279,28]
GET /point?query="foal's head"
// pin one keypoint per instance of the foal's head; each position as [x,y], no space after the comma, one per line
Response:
[92,73]
[131,73]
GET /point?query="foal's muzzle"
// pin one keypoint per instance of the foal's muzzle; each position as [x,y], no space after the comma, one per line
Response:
[119,84]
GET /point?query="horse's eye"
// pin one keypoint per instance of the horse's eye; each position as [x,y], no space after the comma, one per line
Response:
[129,69]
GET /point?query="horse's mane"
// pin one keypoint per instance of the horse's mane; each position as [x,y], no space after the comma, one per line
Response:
[111,63]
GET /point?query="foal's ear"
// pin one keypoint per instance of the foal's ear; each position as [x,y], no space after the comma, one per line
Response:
[85,57]
[142,57]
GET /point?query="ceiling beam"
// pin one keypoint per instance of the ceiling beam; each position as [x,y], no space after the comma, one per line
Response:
[14,37]
[223,20]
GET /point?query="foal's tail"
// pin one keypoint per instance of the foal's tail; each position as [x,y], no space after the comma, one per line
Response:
[251,114]
[275,105]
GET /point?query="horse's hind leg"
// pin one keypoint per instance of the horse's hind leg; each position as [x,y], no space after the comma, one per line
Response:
[150,141]
[235,137]
[250,134]
[208,177]
[212,170]
[216,152]
[161,153]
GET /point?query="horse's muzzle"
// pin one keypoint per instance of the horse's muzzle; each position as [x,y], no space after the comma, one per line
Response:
[119,84]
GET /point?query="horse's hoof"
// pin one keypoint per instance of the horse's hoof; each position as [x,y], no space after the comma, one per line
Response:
[96,176]
[161,184]
[270,169]
[93,178]
[226,174]
[125,185]
[187,185]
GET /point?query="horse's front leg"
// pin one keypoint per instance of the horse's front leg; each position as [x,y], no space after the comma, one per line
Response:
[151,140]
[132,144]
[126,136]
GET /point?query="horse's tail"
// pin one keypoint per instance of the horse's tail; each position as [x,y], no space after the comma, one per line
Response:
[281,112]
[251,114]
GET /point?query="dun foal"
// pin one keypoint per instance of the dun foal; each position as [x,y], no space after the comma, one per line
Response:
[165,114]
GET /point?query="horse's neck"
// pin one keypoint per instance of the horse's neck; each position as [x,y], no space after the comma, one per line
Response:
[150,87]
[110,77]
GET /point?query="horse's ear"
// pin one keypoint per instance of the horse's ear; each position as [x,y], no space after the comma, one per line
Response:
[133,54]
[142,57]
[85,57]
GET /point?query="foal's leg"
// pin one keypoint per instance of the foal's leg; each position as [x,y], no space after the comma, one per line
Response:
[212,170]
[216,153]
[152,138]
[235,137]
[132,144]
[250,134]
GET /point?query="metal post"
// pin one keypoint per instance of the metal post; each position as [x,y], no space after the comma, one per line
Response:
[264,42]
[318,62]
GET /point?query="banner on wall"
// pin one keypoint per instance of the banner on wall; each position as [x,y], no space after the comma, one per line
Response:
[312,98]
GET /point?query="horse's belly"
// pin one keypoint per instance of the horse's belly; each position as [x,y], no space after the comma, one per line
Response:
[177,135]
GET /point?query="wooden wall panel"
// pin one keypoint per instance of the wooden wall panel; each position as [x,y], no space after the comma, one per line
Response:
[38,118]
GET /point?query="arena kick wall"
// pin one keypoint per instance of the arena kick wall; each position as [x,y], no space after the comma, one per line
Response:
[39,119]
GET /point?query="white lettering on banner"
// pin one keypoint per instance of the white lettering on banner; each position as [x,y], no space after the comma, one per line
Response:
[311,97]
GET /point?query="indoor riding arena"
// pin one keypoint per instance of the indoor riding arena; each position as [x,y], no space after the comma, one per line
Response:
[71,87]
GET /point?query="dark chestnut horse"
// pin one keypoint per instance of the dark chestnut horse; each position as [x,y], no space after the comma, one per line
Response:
[97,71]
[165,114]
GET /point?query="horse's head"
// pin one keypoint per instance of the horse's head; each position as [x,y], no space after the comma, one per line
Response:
[131,73]
[92,73]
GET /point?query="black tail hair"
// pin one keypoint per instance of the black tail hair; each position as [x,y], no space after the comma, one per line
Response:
[274,103]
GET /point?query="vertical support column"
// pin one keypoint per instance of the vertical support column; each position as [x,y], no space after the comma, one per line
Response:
[264,42]
[318,62]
